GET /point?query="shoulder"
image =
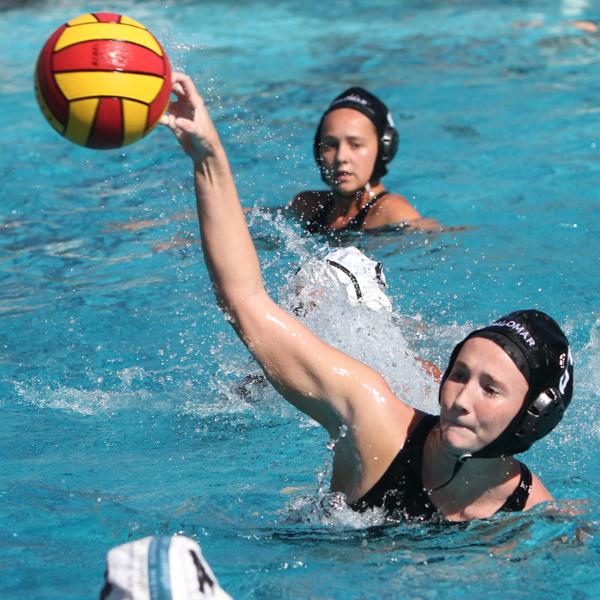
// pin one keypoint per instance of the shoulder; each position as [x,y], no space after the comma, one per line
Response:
[377,412]
[379,427]
[395,208]
[391,208]
[398,205]
[538,493]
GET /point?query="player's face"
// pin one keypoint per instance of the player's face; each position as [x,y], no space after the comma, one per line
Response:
[348,148]
[482,394]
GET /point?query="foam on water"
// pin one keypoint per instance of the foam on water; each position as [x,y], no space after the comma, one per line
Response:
[83,402]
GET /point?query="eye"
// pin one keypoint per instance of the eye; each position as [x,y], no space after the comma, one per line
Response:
[490,390]
[327,144]
[458,375]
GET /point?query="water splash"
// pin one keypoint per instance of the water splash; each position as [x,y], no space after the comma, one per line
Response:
[80,401]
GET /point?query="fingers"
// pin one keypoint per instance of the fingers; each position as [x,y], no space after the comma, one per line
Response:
[178,89]
[177,125]
[184,86]
[169,120]
[184,125]
[187,102]
[188,118]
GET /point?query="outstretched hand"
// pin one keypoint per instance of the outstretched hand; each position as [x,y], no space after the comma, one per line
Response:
[189,120]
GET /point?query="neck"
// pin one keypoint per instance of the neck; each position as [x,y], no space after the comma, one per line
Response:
[359,198]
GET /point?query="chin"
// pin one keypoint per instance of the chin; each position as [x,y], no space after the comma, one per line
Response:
[344,190]
[459,442]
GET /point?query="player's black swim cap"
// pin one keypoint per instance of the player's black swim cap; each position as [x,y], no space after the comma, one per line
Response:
[377,112]
[540,350]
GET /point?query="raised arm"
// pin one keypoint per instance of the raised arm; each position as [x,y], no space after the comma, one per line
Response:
[326,384]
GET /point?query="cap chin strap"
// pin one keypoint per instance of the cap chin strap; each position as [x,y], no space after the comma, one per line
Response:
[460,461]
[369,191]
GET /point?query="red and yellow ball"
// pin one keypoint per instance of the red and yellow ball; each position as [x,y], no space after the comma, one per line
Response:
[102,80]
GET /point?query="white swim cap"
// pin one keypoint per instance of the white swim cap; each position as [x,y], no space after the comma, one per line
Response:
[169,568]
[362,277]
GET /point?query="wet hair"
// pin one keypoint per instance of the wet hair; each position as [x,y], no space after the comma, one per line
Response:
[377,112]
[540,350]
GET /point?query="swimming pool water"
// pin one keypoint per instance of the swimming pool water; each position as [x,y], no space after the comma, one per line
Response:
[125,408]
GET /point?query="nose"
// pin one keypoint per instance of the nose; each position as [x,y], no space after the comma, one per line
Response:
[341,155]
[461,397]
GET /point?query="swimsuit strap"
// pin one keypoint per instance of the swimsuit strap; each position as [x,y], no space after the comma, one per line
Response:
[518,499]
[356,222]
[318,222]
[418,437]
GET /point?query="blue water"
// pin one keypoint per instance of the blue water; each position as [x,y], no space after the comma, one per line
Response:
[123,402]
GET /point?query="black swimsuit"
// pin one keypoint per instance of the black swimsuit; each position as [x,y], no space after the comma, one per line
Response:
[400,490]
[318,222]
